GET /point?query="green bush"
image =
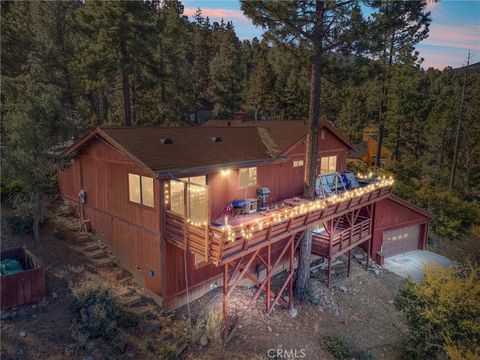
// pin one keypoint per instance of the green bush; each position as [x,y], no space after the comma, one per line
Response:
[97,309]
[443,314]
[337,346]
[19,225]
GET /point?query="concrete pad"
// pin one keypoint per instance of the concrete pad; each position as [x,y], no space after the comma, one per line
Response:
[412,263]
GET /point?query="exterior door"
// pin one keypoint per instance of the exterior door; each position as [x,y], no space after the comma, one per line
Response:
[400,240]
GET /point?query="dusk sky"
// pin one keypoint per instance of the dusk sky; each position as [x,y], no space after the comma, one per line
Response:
[454,30]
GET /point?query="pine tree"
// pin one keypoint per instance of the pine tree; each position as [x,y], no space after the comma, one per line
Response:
[323,26]
[38,99]
[225,82]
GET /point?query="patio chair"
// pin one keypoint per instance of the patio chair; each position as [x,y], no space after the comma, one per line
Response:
[349,180]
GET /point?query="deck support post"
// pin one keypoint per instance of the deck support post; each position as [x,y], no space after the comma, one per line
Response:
[292,270]
[267,274]
[225,302]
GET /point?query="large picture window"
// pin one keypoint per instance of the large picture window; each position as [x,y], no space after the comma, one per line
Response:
[328,165]
[247,177]
[140,189]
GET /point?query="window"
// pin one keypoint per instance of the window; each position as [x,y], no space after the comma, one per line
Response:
[247,177]
[197,194]
[328,165]
[140,189]
[177,197]
[297,163]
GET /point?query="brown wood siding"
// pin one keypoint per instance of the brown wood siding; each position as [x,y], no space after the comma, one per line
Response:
[131,230]
[23,287]
[283,180]
[390,215]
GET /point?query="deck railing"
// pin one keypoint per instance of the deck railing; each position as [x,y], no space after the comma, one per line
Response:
[220,245]
[343,239]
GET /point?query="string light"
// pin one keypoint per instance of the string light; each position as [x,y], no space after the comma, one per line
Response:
[247,230]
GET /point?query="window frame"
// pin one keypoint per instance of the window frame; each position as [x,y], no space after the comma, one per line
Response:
[240,186]
[329,157]
[298,163]
[140,185]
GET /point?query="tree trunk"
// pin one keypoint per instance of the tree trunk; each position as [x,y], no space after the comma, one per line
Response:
[37,217]
[457,133]
[303,271]
[125,82]
[383,105]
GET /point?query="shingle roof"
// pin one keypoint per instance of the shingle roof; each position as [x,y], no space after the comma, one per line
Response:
[285,133]
[190,147]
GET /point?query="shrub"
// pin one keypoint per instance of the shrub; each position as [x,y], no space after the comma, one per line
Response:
[97,309]
[337,346]
[19,225]
[443,314]
[128,319]
[214,326]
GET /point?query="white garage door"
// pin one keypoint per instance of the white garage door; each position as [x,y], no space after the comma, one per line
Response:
[400,240]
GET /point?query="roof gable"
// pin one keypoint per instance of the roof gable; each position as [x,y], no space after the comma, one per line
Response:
[411,206]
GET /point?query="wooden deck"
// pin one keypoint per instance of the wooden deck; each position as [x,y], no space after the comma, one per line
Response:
[343,240]
[223,244]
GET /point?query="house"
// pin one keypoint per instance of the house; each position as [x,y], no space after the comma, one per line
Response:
[367,148]
[159,198]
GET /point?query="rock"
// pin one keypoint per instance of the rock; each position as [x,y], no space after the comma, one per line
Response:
[358,256]
[342,289]
[22,334]
[203,341]
[277,334]
[363,262]
[316,300]
[130,355]
[88,357]
[269,329]
[293,312]
[54,295]
[34,307]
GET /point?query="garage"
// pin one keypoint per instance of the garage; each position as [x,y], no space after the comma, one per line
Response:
[400,240]
[399,227]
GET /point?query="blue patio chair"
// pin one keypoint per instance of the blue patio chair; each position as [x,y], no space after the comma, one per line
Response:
[349,181]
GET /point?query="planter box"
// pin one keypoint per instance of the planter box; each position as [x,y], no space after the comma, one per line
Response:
[23,287]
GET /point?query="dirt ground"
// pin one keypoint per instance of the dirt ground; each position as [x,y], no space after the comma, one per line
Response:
[359,308]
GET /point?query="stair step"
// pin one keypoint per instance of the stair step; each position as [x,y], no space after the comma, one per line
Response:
[90,247]
[125,279]
[96,254]
[103,261]
[141,311]
[131,301]
[83,236]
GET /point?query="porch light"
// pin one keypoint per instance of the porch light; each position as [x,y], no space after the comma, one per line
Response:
[225,172]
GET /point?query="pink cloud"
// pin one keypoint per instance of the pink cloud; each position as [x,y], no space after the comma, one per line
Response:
[217,14]
[439,58]
[457,36]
